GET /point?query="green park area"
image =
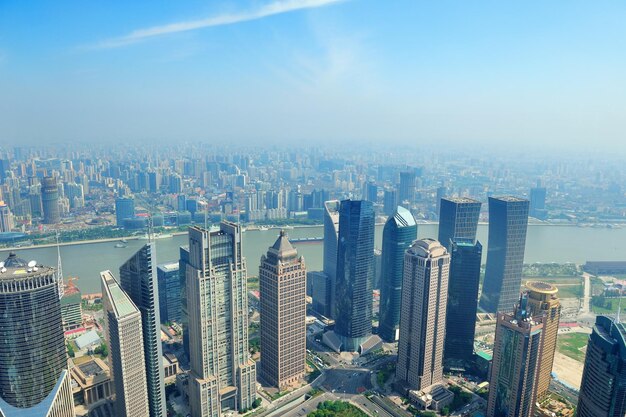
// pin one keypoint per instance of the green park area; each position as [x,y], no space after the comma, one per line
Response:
[573,345]
[336,409]
[569,287]
[604,305]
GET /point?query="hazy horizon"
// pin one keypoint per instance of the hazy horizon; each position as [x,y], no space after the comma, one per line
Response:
[525,75]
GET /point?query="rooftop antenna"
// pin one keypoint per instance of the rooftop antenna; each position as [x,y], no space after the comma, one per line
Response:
[60,281]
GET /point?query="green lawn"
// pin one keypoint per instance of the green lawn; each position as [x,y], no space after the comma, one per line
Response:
[572,345]
[610,306]
[569,287]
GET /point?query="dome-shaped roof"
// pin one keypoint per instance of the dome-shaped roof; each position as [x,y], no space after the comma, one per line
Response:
[14,262]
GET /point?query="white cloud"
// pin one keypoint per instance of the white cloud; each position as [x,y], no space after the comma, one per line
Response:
[270,9]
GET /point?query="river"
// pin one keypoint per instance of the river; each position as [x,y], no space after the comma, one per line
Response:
[544,243]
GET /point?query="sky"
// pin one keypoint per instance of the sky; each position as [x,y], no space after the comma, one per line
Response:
[543,74]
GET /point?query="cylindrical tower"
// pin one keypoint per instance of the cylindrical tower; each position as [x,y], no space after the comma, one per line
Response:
[32,347]
[50,201]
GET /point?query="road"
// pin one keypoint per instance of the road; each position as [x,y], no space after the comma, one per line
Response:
[587,293]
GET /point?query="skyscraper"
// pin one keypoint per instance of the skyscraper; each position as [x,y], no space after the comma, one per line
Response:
[390,201]
[122,324]
[458,218]
[353,304]
[399,232]
[508,222]
[50,200]
[282,281]
[138,278]
[371,191]
[603,387]
[331,239]
[6,218]
[516,361]
[183,261]
[33,362]
[124,209]
[538,203]
[169,292]
[318,288]
[423,315]
[222,374]
[542,300]
[406,190]
[462,301]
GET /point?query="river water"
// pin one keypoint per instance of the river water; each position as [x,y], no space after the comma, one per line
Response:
[544,243]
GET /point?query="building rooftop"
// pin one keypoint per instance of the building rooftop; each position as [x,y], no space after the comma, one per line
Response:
[403,217]
[92,368]
[169,267]
[427,248]
[282,248]
[509,199]
[120,301]
[14,267]
[460,200]
[541,287]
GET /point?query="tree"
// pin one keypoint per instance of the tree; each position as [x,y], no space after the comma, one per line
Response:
[102,350]
[70,350]
[256,403]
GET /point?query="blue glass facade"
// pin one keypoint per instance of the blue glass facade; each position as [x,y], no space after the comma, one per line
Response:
[603,386]
[458,218]
[508,222]
[399,232]
[138,279]
[331,236]
[462,301]
[169,292]
[124,209]
[353,303]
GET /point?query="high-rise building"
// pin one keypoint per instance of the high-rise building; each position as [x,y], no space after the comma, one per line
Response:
[406,190]
[183,261]
[538,203]
[441,193]
[169,292]
[318,288]
[390,201]
[462,301]
[223,376]
[50,200]
[123,329]
[6,218]
[516,361]
[331,241]
[353,292]
[124,209]
[542,300]
[138,278]
[399,233]
[423,315]
[33,365]
[282,283]
[371,192]
[603,386]
[508,222]
[458,218]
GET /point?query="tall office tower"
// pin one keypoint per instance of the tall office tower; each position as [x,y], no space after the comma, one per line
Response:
[371,191]
[542,300]
[508,221]
[122,325]
[222,374]
[282,281]
[169,292]
[318,288]
[458,218]
[138,278]
[390,201]
[124,209]
[406,190]
[331,241]
[462,301]
[423,315]
[5,165]
[33,365]
[441,193]
[50,201]
[516,362]
[353,292]
[399,233]
[183,261]
[538,203]
[36,205]
[6,218]
[603,386]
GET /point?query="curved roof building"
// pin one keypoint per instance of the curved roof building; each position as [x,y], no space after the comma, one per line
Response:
[32,352]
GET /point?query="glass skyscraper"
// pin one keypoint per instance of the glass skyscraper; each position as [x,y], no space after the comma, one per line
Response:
[331,236]
[508,222]
[353,303]
[169,292]
[399,232]
[138,278]
[124,209]
[50,200]
[33,361]
[462,301]
[603,387]
[458,218]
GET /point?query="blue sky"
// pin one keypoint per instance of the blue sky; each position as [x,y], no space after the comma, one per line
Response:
[524,73]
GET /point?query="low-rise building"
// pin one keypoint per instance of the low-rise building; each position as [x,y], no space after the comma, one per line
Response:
[93,381]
